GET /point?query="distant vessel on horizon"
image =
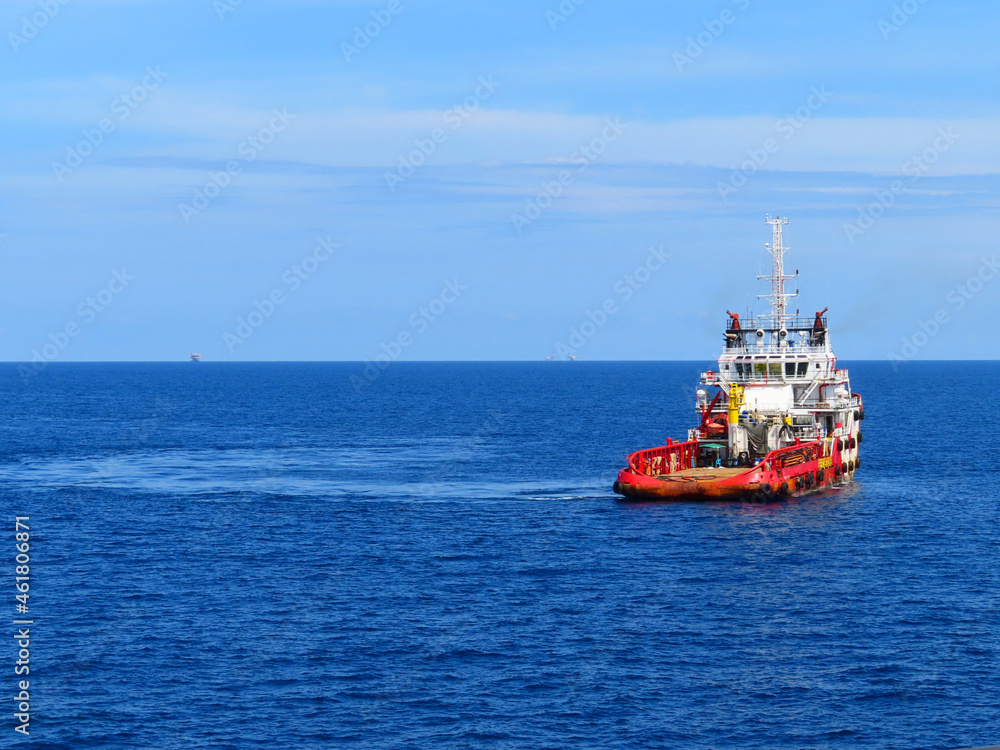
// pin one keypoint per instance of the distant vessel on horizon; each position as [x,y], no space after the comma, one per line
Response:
[195,357]
[782,423]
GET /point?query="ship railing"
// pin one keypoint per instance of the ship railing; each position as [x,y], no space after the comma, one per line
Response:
[851,402]
[749,373]
[666,459]
[765,375]
[750,346]
[794,455]
[790,323]
[675,457]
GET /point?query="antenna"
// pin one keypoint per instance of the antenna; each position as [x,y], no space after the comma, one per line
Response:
[779,298]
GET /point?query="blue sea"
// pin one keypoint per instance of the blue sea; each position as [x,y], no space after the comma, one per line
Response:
[264,555]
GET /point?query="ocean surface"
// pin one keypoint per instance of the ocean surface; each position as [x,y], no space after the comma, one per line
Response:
[263,555]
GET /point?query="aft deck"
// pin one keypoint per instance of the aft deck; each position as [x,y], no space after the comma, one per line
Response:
[698,475]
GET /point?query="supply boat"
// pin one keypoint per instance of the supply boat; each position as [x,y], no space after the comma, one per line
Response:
[781,419]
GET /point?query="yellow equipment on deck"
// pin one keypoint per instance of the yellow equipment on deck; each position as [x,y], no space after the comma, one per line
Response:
[736,402]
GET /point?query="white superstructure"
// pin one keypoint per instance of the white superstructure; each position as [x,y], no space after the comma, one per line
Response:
[778,371]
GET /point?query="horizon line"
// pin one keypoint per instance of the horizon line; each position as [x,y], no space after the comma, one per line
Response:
[423,361]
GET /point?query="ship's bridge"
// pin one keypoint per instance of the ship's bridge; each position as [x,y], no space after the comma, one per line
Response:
[766,368]
[756,351]
[760,335]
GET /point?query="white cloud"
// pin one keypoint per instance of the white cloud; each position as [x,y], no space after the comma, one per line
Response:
[200,122]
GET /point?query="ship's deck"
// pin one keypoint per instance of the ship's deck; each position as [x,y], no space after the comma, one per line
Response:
[693,475]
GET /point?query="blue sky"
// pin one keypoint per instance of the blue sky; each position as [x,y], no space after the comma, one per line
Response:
[874,126]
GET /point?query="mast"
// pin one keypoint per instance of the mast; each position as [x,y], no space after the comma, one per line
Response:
[779,298]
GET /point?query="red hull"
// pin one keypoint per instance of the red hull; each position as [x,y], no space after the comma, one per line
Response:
[658,473]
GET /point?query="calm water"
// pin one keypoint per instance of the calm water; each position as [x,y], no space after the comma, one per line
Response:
[236,556]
